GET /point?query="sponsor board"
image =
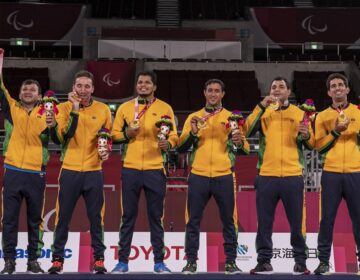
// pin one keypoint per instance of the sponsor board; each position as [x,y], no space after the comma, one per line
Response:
[71,252]
[141,258]
[211,252]
[282,260]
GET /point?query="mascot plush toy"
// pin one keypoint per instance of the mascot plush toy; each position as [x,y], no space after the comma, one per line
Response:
[310,111]
[48,104]
[165,126]
[104,142]
[236,121]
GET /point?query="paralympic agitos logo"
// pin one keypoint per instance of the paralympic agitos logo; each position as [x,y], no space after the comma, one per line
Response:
[107,80]
[308,25]
[18,25]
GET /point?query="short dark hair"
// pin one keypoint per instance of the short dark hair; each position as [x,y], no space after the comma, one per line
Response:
[215,81]
[279,78]
[30,82]
[149,73]
[84,73]
[336,76]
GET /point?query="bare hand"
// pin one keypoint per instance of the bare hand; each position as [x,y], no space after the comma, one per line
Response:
[194,120]
[340,127]
[237,138]
[50,119]
[74,99]
[132,132]
[163,145]
[304,130]
[104,155]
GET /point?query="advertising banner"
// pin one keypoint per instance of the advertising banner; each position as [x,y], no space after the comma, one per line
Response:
[211,258]
[71,257]
[283,260]
[141,258]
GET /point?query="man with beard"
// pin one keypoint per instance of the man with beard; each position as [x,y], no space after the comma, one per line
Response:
[25,158]
[283,134]
[337,140]
[143,156]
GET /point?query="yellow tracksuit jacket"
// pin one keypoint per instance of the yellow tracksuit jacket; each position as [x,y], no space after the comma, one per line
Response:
[26,135]
[77,134]
[280,151]
[340,152]
[213,152]
[142,152]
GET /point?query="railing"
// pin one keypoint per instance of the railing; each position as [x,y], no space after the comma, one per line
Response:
[169,49]
[309,47]
[35,44]
[312,170]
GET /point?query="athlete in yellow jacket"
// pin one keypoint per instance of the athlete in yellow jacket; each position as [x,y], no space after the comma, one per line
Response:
[213,152]
[282,135]
[26,133]
[214,146]
[280,144]
[76,128]
[337,140]
[339,150]
[77,132]
[143,155]
[25,157]
[142,152]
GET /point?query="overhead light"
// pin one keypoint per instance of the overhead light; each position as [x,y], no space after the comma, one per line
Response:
[19,41]
[314,46]
[112,107]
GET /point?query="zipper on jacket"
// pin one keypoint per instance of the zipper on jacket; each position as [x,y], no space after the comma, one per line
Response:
[143,144]
[84,139]
[212,144]
[281,144]
[344,155]
[26,137]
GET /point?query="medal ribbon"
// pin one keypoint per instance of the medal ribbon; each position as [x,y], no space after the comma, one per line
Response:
[341,117]
[340,108]
[217,111]
[138,115]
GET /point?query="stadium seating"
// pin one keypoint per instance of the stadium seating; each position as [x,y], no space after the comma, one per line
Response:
[184,88]
[13,77]
[311,84]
